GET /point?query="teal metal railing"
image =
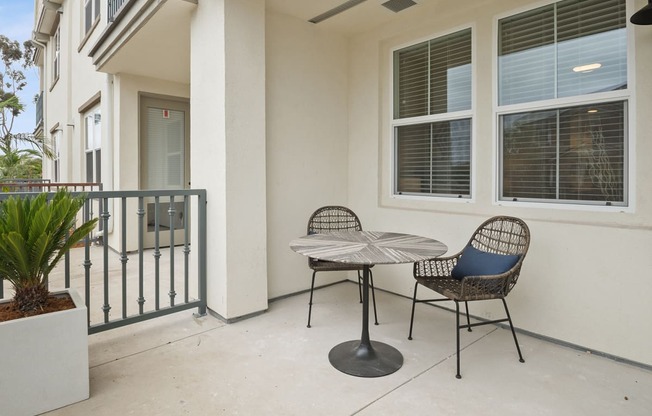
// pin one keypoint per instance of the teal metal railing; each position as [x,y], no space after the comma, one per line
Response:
[155,232]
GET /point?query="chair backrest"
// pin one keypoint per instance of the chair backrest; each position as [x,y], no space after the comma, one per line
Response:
[503,235]
[333,218]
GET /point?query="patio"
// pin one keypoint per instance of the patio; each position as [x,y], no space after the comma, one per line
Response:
[272,364]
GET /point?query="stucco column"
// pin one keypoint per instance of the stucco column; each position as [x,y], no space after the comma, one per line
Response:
[227,100]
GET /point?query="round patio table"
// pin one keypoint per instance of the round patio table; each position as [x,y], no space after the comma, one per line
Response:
[364,358]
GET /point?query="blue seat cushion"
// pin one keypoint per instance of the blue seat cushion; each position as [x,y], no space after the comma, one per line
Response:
[474,262]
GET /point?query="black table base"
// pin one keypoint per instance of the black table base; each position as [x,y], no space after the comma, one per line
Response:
[358,359]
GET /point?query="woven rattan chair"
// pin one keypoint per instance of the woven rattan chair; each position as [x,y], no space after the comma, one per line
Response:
[336,218]
[506,236]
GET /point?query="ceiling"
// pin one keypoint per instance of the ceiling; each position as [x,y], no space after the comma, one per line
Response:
[358,19]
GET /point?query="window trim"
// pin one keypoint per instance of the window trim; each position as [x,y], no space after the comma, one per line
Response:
[56,56]
[627,95]
[393,123]
[90,112]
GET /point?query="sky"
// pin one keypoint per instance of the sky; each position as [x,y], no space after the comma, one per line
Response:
[16,23]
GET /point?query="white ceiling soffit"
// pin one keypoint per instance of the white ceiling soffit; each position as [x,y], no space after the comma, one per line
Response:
[348,17]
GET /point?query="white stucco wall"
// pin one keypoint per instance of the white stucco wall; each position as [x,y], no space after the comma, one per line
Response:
[307,162]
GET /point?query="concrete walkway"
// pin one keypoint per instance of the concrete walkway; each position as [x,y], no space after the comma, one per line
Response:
[273,365]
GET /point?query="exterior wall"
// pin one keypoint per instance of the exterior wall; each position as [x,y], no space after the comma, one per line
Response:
[585,278]
[77,84]
[307,143]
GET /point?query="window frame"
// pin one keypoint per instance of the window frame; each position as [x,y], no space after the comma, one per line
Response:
[95,14]
[92,146]
[56,55]
[626,95]
[395,123]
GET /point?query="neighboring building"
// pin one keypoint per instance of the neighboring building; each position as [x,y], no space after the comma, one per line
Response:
[426,120]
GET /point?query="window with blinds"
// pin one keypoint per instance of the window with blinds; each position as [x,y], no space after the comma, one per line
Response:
[569,51]
[432,117]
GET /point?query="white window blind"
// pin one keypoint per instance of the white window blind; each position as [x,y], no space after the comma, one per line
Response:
[434,158]
[432,79]
[565,49]
[570,153]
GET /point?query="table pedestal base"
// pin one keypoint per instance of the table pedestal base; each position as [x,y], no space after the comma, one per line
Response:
[365,360]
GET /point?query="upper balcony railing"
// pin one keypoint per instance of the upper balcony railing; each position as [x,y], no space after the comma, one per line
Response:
[114,7]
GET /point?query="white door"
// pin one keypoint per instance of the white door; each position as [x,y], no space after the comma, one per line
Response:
[164,149]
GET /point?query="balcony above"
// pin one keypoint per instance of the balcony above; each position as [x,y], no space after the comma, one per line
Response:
[47,16]
[138,40]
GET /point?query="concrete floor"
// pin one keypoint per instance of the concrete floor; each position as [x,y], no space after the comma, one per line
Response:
[273,365]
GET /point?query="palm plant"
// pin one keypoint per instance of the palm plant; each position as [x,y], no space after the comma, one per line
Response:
[34,235]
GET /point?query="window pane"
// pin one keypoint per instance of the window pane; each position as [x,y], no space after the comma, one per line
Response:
[434,158]
[88,15]
[450,73]
[433,77]
[526,56]
[529,162]
[591,153]
[411,81]
[89,166]
[554,44]
[571,154]
[591,34]
[96,12]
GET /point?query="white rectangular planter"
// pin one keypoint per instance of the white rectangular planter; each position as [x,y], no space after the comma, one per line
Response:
[44,361]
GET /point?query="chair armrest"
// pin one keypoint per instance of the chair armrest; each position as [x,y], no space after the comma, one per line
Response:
[438,267]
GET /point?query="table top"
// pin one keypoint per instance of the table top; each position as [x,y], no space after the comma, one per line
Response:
[368,247]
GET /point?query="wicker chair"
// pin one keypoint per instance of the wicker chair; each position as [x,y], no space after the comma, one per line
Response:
[335,218]
[507,236]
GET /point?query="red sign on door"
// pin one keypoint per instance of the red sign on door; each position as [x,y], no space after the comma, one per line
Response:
[166,113]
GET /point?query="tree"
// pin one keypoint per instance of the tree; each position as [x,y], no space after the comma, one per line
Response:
[14,160]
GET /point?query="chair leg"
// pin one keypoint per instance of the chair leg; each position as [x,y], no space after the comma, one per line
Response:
[509,318]
[468,321]
[414,302]
[312,287]
[373,296]
[457,325]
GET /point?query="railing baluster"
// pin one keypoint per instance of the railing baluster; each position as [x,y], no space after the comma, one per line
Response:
[171,212]
[66,268]
[186,247]
[105,221]
[157,253]
[123,256]
[87,263]
[141,253]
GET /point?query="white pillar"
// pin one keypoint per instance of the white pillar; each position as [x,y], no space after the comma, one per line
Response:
[228,149]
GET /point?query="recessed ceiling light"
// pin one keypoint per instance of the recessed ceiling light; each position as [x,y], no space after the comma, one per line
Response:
[593,110]
[587,68]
